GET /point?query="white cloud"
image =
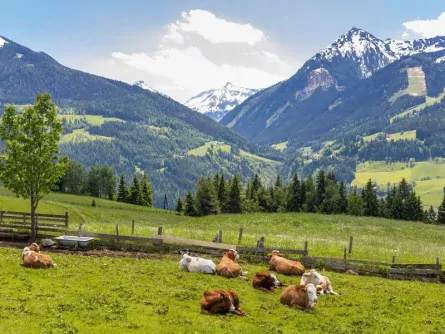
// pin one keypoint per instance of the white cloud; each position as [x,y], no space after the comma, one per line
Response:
[427,28]
[201,51]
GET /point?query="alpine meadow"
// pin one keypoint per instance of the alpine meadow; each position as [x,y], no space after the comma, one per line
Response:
[208,167]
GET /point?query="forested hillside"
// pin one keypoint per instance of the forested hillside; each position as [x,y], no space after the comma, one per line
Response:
[129,128]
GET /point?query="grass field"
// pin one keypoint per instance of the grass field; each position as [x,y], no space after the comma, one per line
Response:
[408,135]
[90,119]
[416,84]
[429,101]
[125,295]
[82,135]
[327,235]
[431,191]
[280,146]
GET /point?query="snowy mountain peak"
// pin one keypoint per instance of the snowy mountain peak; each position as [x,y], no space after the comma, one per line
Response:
[143,85]
[216,103]
[2,42]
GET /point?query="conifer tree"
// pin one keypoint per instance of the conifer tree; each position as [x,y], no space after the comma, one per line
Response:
[441,212]
[146,192]
[343,201]
[179,206]
[122,190]
[311,195]
[206,199]
[431,218]
[355,204]
[321,187]
[234,200]
[190,208]
[370,201]
[293,195]
[278,182]
[222,194]
[256,183]
[166,206]
[135,192]
[216,182]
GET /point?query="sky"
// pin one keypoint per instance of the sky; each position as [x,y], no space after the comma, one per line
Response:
[182,47]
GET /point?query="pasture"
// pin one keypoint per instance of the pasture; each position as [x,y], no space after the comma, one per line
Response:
[150,295]
[375,239]
[79,135]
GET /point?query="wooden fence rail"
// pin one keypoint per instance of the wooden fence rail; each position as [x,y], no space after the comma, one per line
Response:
[45,222]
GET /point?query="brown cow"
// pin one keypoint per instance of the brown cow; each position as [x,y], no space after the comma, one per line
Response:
[300,296]
[265,281]
[284,266]
[220,301]
[228,267]
[32,258]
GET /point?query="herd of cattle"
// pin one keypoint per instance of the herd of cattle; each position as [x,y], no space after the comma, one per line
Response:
[302,296]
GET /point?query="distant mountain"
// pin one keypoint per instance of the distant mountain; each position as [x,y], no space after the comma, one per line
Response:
[289,108]
[143,85]
[216,103]
[127,127]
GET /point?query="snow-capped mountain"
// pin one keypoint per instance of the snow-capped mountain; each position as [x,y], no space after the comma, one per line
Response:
[143,85]
[216,103]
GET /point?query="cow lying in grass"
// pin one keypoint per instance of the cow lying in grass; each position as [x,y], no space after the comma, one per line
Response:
[284,266]
[228,267]
[265,281]
[196,264]
[300,296]
[32,258]
[221,301]
[314,277]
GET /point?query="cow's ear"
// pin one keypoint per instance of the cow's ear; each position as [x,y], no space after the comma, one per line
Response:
[188,259]
[303,290]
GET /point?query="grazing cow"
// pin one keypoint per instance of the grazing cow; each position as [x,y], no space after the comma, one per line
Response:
[284,266]
[196,264]
[228,267]
[220,301]
[265,281]
[314,277]
[33,259]
[300,296]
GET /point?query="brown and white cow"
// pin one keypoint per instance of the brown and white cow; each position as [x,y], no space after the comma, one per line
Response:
[265,281]
[314,277]
[300,296]
[284,266]
[228,267]
[221,301]
[32,258]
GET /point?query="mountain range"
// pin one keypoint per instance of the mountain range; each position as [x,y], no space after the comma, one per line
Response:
[290,108]
[216,103]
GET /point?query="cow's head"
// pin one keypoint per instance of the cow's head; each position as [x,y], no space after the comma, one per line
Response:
[275,253]
[314,277]
[34,247]
[275,280]
[26,251]
[311,291]
[232,254]
[223,301]
[184,263]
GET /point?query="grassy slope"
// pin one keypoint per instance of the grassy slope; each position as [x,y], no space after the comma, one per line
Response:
[431,191]
[91,119]
[121,295]
[429,101]
[374,239]
[409,135]
[280,146]
[416,84]
[82,135]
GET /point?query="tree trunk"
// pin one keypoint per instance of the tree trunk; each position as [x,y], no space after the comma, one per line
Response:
[33,222]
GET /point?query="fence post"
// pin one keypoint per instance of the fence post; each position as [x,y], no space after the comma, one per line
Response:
[305,249]
[344,253]
[257,246]
[160,230]
[37,223]
[67,219]
[220,236]
[261,243]
[240,235]
[24,219]
[1,217]
[394,259]
[350,244]
[117,233]
[80,229]
[437,262]
[132,227]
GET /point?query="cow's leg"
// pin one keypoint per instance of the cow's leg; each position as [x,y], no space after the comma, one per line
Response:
[296,305]
[239,312]
[264,289]
[329,288]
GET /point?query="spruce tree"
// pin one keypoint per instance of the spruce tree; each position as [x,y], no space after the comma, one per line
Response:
[216,182]
[278,182]
[122,190]
[293,195]
[431,218]
[234,200]
[206,199]
[441,212]
[135,192]
[179,206]
[166,206]
[190,208]
[256,183]
[222,194]
[370,201]
[311,195]
[146,192]
[321,187]
[343,200]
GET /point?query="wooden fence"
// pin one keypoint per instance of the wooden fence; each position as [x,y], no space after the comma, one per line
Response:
[160,242]
[11,220]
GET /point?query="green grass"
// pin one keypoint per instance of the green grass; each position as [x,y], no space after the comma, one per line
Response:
[280,146]
[90,119]
[408,135]
[416,84]
[431,191]
[374,238]
[79,135]
[429,101]
[123,295]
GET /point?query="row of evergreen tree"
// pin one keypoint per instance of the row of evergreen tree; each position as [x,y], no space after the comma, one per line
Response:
[139,192]
[323,195]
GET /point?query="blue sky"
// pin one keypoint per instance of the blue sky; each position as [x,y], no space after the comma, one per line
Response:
[250,42]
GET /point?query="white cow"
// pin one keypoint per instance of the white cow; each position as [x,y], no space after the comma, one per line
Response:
[196,264]
[314,277]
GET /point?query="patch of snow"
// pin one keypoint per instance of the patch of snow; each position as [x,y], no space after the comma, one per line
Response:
[18,55]
[440,60]
[143,85]
[2,42]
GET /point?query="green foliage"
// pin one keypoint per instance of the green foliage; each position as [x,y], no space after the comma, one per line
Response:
[179,206]
[102,182]
[369,196]
[355,204]
[122,190]
[190,205]
[30,165]
[441,213]
[206,199]
[234,204]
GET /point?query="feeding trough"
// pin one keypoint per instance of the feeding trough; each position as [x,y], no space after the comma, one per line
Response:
[74,242]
